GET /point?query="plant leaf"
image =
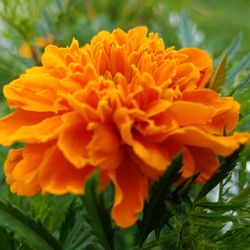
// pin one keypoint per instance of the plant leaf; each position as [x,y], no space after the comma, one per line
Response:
[240,66]
[220,174]
[97,216]
[26,228]
[7,241]
[244,124]
[219,74]
[155,207]
[232,50]
[75,232]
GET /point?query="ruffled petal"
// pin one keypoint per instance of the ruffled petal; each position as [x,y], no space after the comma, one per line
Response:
[152,154]
[21,169]
[74,139]
[131,189]
[189,113]
[219,144]
[202,61]
[105,147]
[58,176]
[28,127]
[206,162]
[34,91]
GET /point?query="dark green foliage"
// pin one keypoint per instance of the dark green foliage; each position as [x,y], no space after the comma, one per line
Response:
[75,233]
[96,214]
[26,228]
[154,209]
[7,241]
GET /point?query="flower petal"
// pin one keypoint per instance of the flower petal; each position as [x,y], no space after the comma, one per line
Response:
[105,147]
[74,139]
[219,144]
[189,113]
[27,126]
[201,60]
[129,195]
[22,167]
[58,176]
[206,162]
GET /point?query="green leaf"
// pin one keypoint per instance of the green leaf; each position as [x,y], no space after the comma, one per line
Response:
[242,92]
[219,74]
[154,208]
[220,174]
[244,124]
[239,67]
[97,216]
[7,241]
[26,228]
[232,50]
[186,31]
[183,189]
[75,232]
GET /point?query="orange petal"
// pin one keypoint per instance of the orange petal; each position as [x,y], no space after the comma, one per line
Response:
[58,176]
[205,162]
[44,131]
[74,138]
[188,168]
[226,109]
[131,189]
[34,91]
[105,147]
[53,60]
[27,126]
[189,113]
[201,60]
[152,154]
[22,167]
[219,144]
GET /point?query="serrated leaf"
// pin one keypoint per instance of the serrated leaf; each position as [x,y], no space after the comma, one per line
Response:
[97,216]
[240,66]
[155,207]
[26,228]
[221,206]
[219,74]
[220,174]
[186,31]
[75,233]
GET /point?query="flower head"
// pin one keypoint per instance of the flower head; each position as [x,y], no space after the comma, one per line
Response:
[123,105]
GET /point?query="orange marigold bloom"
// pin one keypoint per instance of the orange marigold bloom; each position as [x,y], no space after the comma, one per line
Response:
[123,104]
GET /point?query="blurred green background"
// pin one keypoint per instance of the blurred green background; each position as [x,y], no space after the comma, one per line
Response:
[215,24]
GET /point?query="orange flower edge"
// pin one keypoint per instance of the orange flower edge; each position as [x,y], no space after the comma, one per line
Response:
[123,105]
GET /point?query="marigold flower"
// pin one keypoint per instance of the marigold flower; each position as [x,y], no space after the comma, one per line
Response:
[124,105]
